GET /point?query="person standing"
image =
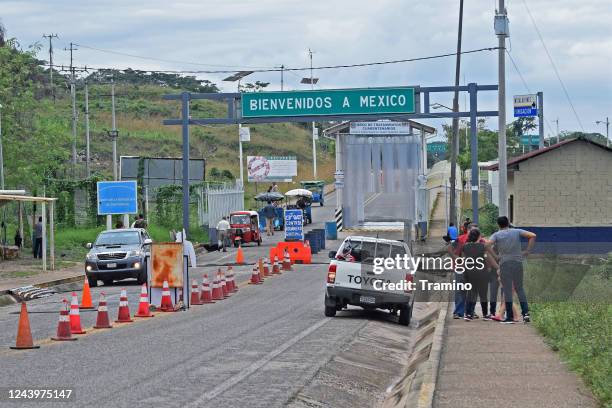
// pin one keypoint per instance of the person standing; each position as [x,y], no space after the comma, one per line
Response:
[454,250]
[38,236]
[223,227]
[274,188]
[477,273]
[269,213]
[451,233]
[507,243]
[139,222]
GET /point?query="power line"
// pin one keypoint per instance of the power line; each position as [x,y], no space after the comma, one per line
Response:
[286,69]
[168,60]
[569,100]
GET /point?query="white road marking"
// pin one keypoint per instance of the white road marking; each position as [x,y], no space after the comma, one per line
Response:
[255,366]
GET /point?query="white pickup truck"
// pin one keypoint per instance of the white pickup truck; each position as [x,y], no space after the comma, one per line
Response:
[351,279]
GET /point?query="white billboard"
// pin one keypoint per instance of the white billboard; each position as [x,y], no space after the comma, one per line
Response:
[271,168]
[383,127]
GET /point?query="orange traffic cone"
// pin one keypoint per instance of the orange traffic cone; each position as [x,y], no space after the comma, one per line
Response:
[217,291]
[75,316]
[228,281]
[63,326]
[254,277]
[266,269]
[166,299]
[260,271]
[239,256]
[123,316]
[195,293]
[24,334]
[275,267]
[86,299]
[224,288]
[206,294]
[102,320]
[143,305]
[286,261]
[230,272]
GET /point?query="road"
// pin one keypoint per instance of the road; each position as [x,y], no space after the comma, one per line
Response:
[256,349]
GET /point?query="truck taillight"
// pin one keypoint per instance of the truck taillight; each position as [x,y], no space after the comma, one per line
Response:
[409,278]
[331,273]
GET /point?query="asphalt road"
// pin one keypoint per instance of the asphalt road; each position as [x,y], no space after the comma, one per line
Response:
[255,349]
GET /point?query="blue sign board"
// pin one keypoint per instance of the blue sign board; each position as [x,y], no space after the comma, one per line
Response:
[525,111]
[117,197]
[294,225]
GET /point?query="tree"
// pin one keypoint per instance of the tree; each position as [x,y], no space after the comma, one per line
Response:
[34,146]
[258,86]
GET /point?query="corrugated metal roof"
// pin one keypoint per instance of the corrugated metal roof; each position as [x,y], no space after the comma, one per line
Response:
[535,153]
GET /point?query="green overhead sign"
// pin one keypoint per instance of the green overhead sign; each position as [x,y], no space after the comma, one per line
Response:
[328,102]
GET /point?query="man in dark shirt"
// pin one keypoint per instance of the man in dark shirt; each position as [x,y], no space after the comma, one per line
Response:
[37,247]
[269,213]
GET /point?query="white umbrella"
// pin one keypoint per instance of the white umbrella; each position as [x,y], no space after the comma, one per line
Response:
[299,192]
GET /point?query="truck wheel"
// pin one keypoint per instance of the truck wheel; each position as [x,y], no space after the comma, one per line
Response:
[405,314]
[93,282]
[321,203]
[142,276]
[330,311]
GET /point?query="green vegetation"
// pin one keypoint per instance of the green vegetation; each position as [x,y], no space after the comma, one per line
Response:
[571,309]
[487,218]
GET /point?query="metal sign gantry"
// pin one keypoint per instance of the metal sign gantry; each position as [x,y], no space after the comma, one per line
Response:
[420,106]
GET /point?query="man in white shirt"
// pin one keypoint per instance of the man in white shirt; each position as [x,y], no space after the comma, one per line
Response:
[223,233]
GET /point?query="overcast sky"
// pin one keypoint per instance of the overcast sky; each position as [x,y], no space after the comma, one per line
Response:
[267,33]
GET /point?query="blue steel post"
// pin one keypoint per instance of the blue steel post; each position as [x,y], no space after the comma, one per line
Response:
[474,149]
[185,124]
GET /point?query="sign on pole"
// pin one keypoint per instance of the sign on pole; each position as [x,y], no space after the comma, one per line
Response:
[245,134]
[530,140]
[117,197]
[271,168]
[328,102]
[294,225]
[382,127]
[525,105]
[436,147]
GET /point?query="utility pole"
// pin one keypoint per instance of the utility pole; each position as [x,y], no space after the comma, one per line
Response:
[282,67]
[51,37]
[607,123]
[74,117]
[314,141]
[87,152]
[557,121]
[114,130]
[455,136]
[502,31]
[541,119]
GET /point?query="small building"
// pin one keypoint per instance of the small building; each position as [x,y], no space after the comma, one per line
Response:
[564,194]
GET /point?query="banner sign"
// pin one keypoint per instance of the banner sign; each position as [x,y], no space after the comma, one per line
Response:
[117,197]
[294,227]
[525,105]
[167,264]
[271,168]
[380,128]
[530,140]
[328,102]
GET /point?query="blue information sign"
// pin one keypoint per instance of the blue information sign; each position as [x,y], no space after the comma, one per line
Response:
[294,226]
[525,111]
[117,197]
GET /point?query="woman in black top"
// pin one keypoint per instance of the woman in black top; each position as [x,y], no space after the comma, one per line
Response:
[477,273]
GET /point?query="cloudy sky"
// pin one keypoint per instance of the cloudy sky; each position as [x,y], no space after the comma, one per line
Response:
[267,33]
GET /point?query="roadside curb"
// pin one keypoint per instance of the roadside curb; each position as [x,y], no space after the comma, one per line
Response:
[431,369]
[50,283]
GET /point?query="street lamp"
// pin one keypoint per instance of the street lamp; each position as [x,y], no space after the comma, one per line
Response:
[312,81]
[237,77]
[607,123]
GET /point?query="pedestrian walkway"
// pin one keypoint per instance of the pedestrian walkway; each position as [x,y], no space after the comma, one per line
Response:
[489,364]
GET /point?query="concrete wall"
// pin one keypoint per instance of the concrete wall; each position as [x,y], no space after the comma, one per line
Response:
[568,186]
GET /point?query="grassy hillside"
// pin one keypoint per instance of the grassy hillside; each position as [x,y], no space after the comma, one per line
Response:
[140,112]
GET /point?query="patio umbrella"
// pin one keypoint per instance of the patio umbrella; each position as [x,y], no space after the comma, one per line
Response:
[299,192]
[271,196]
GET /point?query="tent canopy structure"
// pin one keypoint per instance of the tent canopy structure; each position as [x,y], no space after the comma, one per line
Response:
[43,201]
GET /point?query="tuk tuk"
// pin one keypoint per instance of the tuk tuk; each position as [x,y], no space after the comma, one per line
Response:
[316,187]
[244,227]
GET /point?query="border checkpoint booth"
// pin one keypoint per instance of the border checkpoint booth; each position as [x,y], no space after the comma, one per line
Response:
[381,169]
